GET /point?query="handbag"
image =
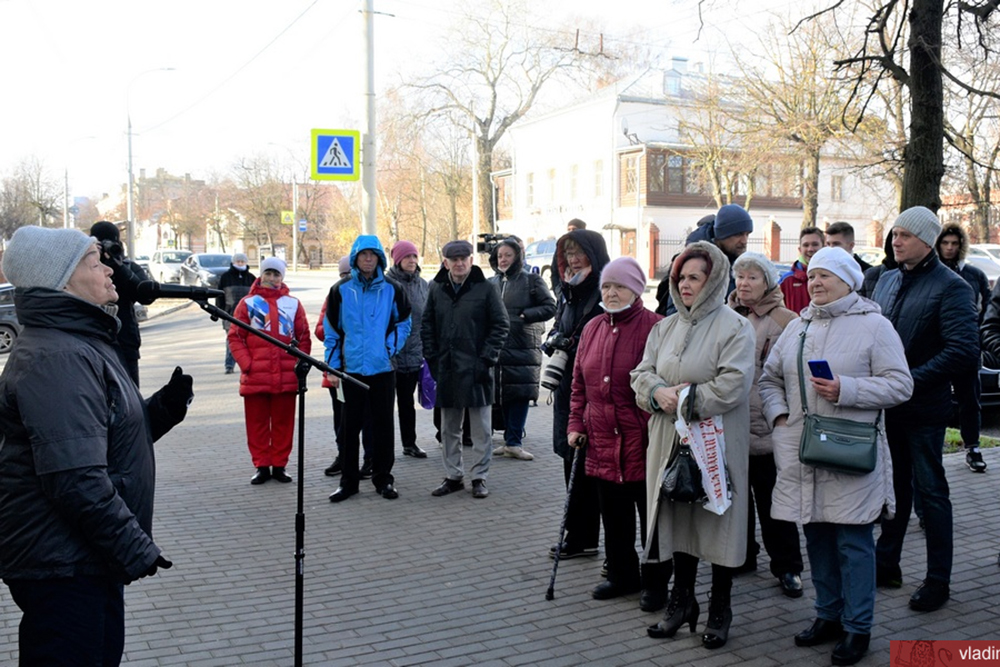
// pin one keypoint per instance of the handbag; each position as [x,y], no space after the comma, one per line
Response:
[426,388]
[682,477]
[833,443]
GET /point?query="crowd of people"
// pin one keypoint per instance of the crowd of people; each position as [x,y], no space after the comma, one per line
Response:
[631,387]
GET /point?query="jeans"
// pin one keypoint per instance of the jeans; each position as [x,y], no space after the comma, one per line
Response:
[515,414]
[71,621]
[916,462]
[230,361]
[842,558]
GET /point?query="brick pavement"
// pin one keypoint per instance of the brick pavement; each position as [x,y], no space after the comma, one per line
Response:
[443,581]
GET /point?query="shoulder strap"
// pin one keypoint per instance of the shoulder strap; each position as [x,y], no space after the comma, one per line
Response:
[802,382]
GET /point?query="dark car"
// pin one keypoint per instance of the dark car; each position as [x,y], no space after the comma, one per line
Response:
[9,326]
[204,268]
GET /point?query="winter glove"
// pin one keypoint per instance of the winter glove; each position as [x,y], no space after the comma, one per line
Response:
[179,392]
[160,562]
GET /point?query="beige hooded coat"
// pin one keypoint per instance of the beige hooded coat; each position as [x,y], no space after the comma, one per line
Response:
[711,345]
[864,351]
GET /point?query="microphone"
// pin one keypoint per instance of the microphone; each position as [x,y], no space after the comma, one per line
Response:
[150,289]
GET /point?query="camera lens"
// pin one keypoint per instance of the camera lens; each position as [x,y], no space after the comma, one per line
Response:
[553,372]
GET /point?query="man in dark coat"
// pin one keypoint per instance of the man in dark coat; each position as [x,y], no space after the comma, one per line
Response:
[529,304]
[126,277]
[235,284]
[76,491]
[931,308]
[463,329]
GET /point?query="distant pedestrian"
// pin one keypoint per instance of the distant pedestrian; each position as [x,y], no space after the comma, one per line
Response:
[575,224]
[795,282]
[268,383]
[367,324]
[463,329]
[841,235]
[235,284]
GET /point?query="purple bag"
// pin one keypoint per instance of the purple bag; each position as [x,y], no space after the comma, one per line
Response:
[426,388]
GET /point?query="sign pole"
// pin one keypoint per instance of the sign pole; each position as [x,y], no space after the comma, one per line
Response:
[295,226]
[368,142]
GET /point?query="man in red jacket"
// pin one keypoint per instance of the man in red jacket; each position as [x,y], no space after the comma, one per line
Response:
[795,283]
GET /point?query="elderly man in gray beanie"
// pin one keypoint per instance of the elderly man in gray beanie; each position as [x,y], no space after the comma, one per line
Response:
[931,308]
[76,492]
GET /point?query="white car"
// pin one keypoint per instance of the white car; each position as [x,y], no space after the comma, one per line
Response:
[165,265]
[991,250]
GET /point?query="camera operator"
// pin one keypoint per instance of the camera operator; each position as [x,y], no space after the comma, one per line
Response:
[126,276]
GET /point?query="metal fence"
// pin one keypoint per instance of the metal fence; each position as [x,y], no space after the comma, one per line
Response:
[668,248]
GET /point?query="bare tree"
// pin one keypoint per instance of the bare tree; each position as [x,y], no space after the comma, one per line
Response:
[259,195]
[28,196]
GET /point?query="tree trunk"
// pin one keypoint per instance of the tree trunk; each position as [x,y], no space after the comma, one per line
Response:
[810,187]
[483,167]
[923,158]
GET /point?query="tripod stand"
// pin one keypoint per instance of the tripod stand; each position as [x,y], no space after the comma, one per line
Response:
[305,362]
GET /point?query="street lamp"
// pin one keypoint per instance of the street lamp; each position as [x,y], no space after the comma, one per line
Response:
[130,222]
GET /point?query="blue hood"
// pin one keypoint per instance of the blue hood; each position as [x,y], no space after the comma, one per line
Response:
[368,242]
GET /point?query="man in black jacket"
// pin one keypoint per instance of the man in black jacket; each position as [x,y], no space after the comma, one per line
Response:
[235,284]
[931,308]
[126,277]
[463,329]
[76,492]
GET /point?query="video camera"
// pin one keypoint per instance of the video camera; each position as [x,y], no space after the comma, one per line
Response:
[489,242]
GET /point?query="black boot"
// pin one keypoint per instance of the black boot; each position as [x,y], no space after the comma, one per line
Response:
[682,608]
[850,649]
[655,585]
[720,616]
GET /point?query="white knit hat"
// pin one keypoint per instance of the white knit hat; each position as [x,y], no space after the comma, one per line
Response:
[275,264]
[43,257]
[840,263]
[921,222]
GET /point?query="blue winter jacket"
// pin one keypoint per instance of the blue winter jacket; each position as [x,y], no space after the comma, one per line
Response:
[367,321]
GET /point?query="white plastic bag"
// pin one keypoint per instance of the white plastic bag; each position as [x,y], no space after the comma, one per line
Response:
[708,446]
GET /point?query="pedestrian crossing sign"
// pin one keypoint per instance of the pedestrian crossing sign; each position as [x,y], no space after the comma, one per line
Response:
[335,155]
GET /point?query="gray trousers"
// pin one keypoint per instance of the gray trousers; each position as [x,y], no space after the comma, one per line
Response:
[481,430]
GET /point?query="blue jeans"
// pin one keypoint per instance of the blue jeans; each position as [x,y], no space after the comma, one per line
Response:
[230,362]
[71,621]
[916,463]
[842,558]
[515,414]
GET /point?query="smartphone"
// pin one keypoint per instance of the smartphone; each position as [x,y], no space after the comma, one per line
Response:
[820,369]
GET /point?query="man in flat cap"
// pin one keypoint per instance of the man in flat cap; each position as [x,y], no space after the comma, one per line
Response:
[463,329]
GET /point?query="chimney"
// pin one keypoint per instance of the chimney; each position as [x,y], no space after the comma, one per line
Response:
[679,64]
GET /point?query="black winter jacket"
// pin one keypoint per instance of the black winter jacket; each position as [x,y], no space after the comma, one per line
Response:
[126,278]
[529,305]
[76,491]
[931,308]
[990,330]
[235,285]
[462,334]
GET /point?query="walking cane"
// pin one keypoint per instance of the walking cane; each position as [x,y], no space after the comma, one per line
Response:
[551,593]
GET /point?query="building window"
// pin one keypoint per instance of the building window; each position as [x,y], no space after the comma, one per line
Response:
[598,178]
[574,173]
[529,190]
[631,175]
[552,185]
[657,165]
[508,191]
[675,174]
[837,188]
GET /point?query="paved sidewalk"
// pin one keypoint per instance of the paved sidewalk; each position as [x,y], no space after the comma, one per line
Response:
[442,581]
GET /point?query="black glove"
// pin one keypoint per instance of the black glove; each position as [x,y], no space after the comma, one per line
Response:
[179,392]
[160,562]
[483,376]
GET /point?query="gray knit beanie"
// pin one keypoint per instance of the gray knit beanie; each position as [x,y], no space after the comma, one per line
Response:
[921,222]
[759,261]
[42,257]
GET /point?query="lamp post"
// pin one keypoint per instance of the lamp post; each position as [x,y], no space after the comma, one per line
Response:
[130,222]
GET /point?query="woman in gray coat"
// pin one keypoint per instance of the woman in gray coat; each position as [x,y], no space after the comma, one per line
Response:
[837,510]
[707,344]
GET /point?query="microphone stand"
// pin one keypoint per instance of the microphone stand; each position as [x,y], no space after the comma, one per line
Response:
[301,371]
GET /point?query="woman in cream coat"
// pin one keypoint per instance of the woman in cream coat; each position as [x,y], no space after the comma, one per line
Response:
[837,510]
[706,343]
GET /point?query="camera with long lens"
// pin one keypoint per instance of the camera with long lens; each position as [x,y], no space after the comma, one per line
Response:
[556,341]
[553,372]
[113,249]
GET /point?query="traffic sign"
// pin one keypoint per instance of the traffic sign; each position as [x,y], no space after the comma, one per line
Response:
[302,225]
[335,155]
[287,217]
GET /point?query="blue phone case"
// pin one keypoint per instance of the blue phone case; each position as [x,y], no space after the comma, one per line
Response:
[820,369]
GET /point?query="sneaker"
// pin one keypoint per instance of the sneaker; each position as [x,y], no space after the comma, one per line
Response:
[931,596]
[572,551]
[229,370]
[333,469]
[366,470]
[974,459]
[500,451]
[518,453]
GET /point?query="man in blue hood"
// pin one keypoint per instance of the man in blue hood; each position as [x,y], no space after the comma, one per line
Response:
[367,322]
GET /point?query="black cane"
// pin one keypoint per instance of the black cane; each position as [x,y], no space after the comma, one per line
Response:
[551,593]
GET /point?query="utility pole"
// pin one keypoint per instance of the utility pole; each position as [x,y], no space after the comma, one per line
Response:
[368,195]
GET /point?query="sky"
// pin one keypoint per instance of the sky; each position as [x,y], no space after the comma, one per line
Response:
[208,81]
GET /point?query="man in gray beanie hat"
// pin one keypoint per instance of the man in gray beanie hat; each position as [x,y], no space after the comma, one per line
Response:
[932,309]
[77,470]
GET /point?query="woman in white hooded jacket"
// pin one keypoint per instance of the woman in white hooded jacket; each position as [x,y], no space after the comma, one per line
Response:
[837,510]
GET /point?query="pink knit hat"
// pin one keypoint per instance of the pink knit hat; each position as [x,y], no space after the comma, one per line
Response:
[403,249]
[626,272]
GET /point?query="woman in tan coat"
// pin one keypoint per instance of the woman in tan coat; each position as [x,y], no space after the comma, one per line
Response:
[837,510]
[705,343]
[758,298]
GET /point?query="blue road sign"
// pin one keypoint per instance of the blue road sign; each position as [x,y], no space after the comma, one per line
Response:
[335,155]
[302,225]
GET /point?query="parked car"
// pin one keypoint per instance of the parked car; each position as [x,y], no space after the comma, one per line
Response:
[165,265]
[987,265]
[142,261]
[991,250]
[204,268]
[870,254]
[538,257]
[10,328]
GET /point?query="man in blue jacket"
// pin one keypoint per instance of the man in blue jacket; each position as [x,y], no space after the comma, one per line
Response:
[367,322]
[932,309]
